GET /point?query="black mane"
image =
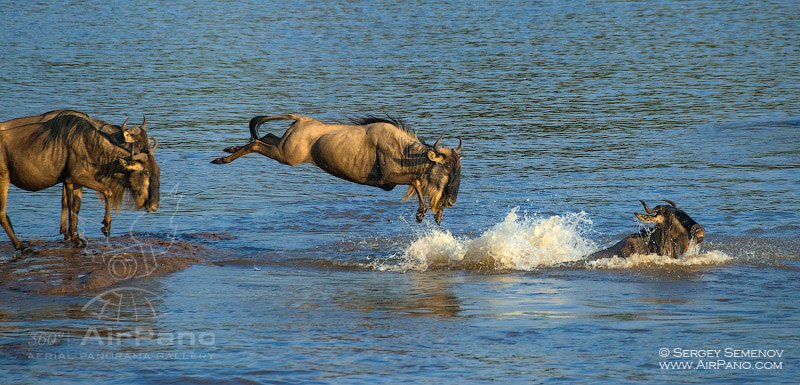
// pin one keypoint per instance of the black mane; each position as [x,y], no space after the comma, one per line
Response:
[65,129]
[369,119]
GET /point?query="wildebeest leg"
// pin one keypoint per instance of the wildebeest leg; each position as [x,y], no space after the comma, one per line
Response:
[75,208]
[102,189]
[65,207]
[267,149]
[438,216]
[4,220]
[268,138]
[69,212]
[422,208]
[681,246]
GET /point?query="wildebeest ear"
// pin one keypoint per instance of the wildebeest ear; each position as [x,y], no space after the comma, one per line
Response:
[435,157]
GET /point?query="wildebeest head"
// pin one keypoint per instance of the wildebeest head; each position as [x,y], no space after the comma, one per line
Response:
[444,177]
[674,230]
[141,167]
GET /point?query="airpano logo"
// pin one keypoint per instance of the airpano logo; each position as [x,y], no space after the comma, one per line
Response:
[131,312]
[126,323]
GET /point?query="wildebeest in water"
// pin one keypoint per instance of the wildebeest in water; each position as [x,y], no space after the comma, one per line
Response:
[380,152]
[70,149]
[134,138]
[672,236]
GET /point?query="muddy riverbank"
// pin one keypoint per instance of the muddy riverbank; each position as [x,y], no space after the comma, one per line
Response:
[55,267]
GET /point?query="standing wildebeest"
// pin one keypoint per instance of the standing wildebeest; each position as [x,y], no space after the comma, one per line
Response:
[133,138]
[372,151]
[672,235]
[137,141]
[70,149]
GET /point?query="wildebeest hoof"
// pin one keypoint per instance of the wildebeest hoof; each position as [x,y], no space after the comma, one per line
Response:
[79,242]
[438,217]
[23,248]
[420,216]
[219,161]
[106,230]
[231,149]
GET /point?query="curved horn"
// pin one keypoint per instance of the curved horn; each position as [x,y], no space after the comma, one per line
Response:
[144,123]
[436,145]
[458,149]
[154,144]
[646,209]
[671,203]
[125,124]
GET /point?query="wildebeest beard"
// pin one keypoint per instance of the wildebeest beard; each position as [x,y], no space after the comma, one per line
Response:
[415,160]
[453,182]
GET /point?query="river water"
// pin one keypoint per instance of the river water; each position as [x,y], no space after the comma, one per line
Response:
[570,112]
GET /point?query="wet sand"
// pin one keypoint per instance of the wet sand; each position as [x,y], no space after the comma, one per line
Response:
[55,267]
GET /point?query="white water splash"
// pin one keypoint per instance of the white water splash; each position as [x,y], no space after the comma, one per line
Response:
[516,243]
[712,257]
[527,243]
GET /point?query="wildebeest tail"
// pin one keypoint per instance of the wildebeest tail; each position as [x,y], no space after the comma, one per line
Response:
[259,120]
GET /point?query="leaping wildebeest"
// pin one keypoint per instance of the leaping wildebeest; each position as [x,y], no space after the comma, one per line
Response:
[134,138]
[70,149]
[373,151]
[673,234]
